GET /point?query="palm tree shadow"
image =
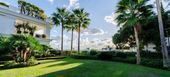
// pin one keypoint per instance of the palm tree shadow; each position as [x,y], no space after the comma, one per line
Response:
[86,69]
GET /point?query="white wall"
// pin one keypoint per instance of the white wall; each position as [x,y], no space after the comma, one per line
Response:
[7,25]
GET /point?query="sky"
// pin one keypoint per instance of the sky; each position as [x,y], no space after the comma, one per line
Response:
[100,31]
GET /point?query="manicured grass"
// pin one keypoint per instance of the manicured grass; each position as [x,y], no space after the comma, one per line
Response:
[83,68]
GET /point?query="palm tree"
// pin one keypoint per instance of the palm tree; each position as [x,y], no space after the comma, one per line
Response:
[60,17]
[3,4]
[162,37]
[132,13]
[72,26]
[82,20]
[22,5]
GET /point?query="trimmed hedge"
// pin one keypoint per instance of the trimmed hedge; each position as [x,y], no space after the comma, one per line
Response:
[150,59]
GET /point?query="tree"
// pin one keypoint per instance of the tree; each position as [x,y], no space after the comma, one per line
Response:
[31,10]
[60,17]
[83,20]
[132,13]
[162,37]
[19,46]
[72,26]
[3,4]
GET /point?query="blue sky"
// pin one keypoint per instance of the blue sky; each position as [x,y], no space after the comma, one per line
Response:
[101,29]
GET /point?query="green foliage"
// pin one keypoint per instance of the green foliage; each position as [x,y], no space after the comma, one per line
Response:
[84,57]
[156,63]
[131,60]
[81,17]
[149,59]
[3,4]
[131,14]
[20,46]
[4,48]
[55,52]
[85,52]
[9,64]
[61,17]
[32,61]
[31,10]
[121,54]
[93,52]
[105,56]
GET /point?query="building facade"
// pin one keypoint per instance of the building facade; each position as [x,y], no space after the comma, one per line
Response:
[10,17]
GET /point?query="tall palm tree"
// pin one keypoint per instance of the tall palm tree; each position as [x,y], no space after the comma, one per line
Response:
[132,13]
[162,37]
[60,17]
[82,20]
[72,26]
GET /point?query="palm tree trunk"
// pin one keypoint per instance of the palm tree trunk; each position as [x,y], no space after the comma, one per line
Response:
[162,37]
[72,39]
[138,59]
[62,38]
[79,40]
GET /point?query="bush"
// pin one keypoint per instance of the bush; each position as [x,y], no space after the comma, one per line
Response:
[55,52]
[105,56]
[151,55]
[156,63]
[32,61]
[93,52]
[74,52]
[131,60]
[66,53]
[121,54]
[84,57]
[9,64]
[5,58]
[84,52]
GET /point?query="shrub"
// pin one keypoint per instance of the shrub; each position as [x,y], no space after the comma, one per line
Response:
[66,53]
[151,55]
[74,52]
[9,64]
[5,58]
[32,61]
[121,54]
[84,52]
[130,54]
[84,57]
[105,56]
[55,52]
[93,52]
[131,60]
[156,63]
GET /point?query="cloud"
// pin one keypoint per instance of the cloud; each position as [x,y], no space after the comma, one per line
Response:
[58,38]
[51,1]
[73,4]
[93,31]
[111,19]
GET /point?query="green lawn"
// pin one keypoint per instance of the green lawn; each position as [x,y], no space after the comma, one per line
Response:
[83,68]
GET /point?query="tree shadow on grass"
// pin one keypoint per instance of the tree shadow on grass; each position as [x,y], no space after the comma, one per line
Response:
[94,68]
[86,69]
